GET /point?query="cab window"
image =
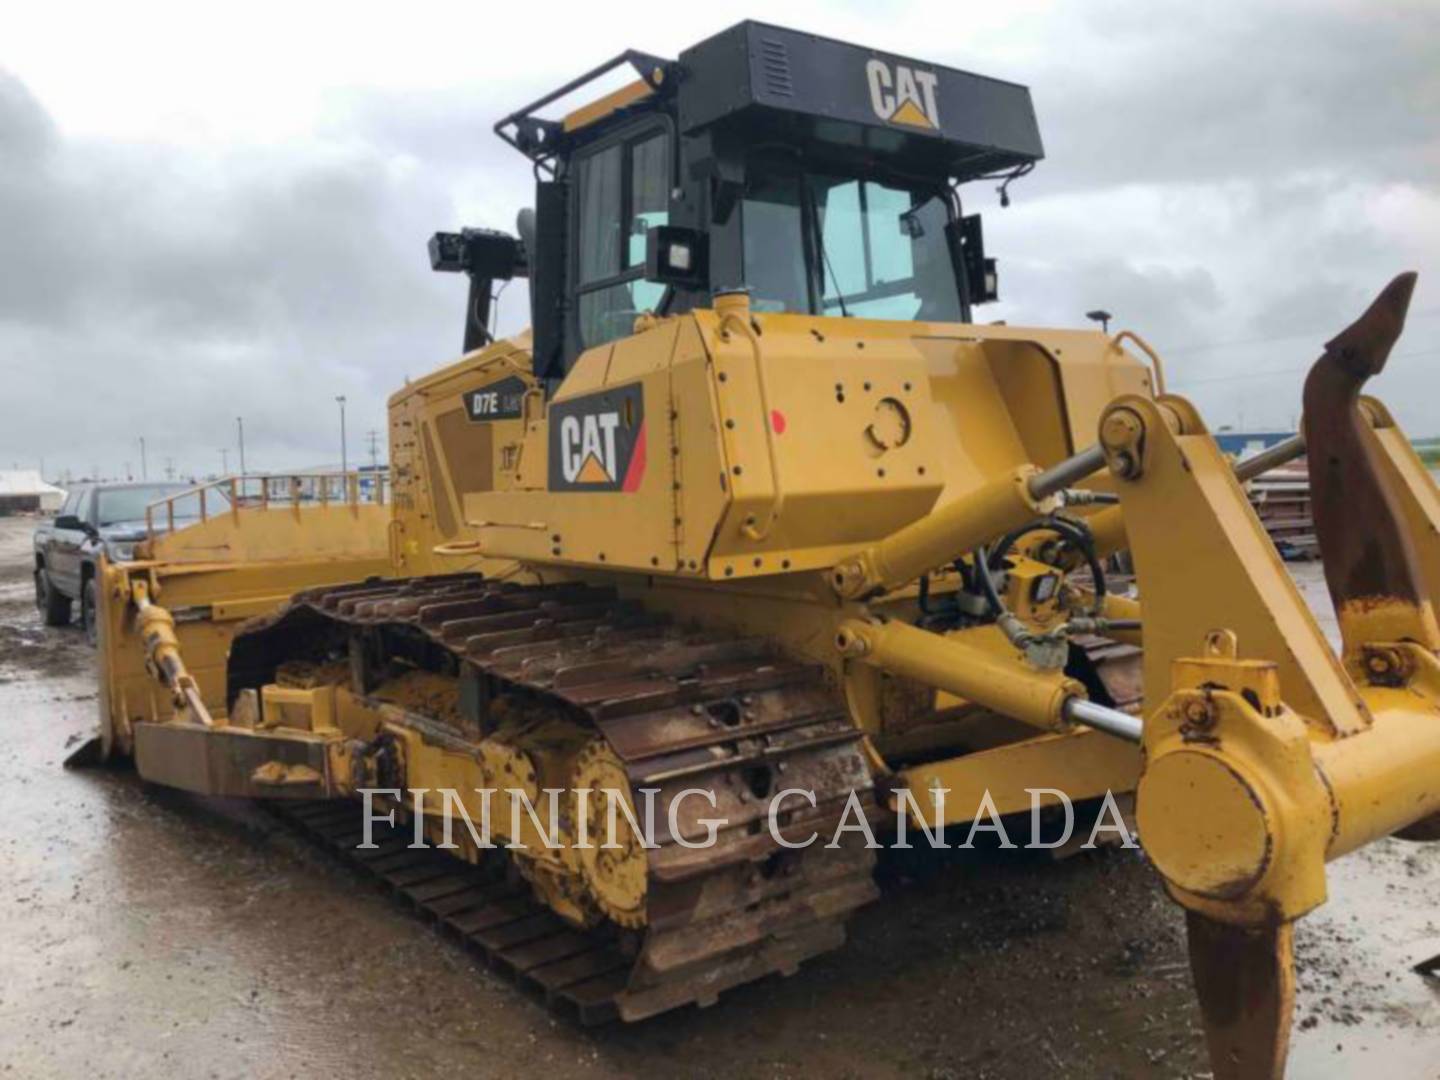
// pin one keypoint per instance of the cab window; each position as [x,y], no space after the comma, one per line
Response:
[774,244]
[622,190]
[828,245]
[884,252]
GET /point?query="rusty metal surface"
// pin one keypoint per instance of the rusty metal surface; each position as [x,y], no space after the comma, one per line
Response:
[1245,982]
[681,710]
[225,761]
[483,907]
[1118,667]
[1368,554]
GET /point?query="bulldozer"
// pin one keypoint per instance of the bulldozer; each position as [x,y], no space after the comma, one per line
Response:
[757,532]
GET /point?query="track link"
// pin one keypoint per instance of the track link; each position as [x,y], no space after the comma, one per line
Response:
[680,710]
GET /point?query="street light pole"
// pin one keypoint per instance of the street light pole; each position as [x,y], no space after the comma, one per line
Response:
[240,427]
[344,463]
[144,473]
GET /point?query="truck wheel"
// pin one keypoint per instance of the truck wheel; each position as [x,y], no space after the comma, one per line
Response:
[53,604]
[88,616]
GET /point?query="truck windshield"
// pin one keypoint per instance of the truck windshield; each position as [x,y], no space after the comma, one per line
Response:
[128,503]
[827,245]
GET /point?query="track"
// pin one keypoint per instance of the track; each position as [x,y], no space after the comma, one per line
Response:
[483,908]
[680,711]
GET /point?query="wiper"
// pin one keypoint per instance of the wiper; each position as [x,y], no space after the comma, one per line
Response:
[825,262]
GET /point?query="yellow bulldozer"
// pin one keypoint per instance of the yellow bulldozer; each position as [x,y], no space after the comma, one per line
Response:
[757,536]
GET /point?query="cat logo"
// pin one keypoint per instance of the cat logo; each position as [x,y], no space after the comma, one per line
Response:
[906,96]
[597,442]
[587,448]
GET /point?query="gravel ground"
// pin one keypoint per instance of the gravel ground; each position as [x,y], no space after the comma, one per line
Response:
[145,933]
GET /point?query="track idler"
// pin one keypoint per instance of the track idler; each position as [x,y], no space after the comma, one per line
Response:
[1269,755]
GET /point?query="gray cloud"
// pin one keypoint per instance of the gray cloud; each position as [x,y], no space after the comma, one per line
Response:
[1220,173]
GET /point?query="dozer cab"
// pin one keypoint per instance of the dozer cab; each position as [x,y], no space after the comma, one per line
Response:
[758,532]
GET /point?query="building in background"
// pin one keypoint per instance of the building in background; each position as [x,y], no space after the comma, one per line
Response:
[1243,444]
[22,491]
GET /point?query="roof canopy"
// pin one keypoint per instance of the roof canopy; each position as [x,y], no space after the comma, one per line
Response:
[25,482]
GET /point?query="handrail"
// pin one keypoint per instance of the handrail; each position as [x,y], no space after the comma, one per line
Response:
[534,137]
[262,492]
[1144,347]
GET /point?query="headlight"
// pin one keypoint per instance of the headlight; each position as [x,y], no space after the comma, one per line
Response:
[120,551]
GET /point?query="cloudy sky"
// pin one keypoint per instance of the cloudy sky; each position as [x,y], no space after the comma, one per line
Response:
[212,212]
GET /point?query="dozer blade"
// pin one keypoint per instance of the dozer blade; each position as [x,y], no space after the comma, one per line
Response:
[1245,980]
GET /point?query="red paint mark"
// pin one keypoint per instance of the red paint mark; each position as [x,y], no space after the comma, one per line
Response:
[777,421]
[636,472]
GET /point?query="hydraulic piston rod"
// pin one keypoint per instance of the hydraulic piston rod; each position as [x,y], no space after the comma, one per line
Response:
[1282,453]
[162,647]
[967,666]
[1070,471]
[1005,503]
[1103,718]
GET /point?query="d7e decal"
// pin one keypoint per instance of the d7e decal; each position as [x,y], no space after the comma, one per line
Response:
[501,400]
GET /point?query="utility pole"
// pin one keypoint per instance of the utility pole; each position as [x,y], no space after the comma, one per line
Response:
[374,450]
[344,463]
[144,472]
[169,468]
[240,427]
[224,461]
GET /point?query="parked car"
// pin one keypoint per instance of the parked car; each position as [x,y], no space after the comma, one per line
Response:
[97,518]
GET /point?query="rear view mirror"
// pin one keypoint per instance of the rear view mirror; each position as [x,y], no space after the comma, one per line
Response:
[677,256]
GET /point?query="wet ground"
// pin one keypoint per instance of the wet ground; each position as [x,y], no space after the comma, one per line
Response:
[147,934]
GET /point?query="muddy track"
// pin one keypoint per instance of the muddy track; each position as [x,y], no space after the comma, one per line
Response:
[680,711]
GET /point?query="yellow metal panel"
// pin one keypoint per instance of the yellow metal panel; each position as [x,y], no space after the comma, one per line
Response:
[700,465]
[590,373]
[309,531]
[848,418]
[1415,492]
[1029,382]
[291,707]
[229,610]
[611,102]
[1205,561]
[1093,373]
[850,428]
[971,416]
[644,353]
[1083,764]
[633,530]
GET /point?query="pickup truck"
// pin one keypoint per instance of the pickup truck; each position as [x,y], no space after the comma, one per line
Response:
[96,518]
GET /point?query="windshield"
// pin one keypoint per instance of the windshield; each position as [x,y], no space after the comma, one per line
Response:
[828,245]
[128,504]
